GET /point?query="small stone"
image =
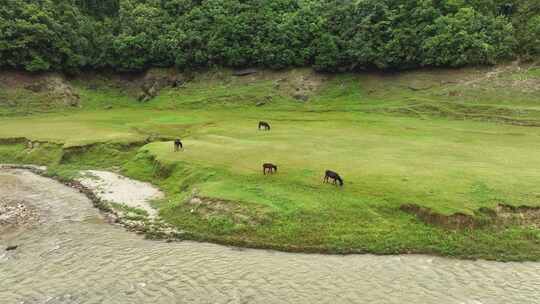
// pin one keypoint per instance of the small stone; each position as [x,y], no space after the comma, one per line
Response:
[301,97]
[36,87]
[244,72]
[13,247]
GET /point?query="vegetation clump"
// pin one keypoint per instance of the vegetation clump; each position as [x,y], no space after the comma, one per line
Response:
[337,35]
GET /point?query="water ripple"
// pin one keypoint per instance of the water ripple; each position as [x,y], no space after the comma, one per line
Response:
[73,257]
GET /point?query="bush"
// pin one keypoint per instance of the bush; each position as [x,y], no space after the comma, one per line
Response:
[333,35]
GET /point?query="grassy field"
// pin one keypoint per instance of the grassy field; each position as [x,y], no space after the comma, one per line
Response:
[452,141]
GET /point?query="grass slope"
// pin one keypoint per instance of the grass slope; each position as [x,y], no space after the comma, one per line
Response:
[452,141]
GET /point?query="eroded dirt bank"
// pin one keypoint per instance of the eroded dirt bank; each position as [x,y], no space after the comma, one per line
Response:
[73,256]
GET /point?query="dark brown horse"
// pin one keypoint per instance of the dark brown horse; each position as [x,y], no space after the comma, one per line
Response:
[334,176]
[264,125]
[178,144]
[270,168]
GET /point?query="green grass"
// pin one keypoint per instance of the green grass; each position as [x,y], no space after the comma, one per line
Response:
[395,139]
[534,72]
[131,212]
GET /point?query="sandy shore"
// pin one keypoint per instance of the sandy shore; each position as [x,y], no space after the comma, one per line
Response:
[115,188]
[104,188]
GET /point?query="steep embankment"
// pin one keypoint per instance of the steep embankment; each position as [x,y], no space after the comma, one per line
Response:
[434,161]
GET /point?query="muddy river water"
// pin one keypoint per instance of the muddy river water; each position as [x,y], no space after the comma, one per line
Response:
[72,256]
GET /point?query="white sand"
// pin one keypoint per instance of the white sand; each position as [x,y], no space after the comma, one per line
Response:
[116,188]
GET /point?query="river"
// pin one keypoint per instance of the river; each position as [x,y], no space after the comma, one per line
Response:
[73,256]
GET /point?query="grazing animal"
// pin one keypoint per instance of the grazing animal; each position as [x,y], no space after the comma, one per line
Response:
[178,144]
[271,168]
[334,176]
[264,125]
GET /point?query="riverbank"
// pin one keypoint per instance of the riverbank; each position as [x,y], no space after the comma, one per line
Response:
[123,201]
[75,256]
[436,162]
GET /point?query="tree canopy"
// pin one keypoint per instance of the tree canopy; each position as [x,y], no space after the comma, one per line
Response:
[330,35]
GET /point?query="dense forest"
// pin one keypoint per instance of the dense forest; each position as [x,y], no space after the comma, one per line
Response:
[330,35]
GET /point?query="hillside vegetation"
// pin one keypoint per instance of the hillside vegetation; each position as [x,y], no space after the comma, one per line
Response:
[434,161]
[337,35]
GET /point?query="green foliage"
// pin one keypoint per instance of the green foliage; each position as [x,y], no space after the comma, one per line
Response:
[531,38]
[525,19]
[468,37]
[41,36]
[44,154]
[133,35]
[99,8]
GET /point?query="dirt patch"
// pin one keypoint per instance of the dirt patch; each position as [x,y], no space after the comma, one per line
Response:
[515,75]
[427,215]
[207,208]
[141,85]
[244,72]
[18,78]
[30,144]
[13,140]
[419,80]
[469,112]
[522,216]
[155,80]
[52,86]
[58,88]
[502,215]
[118,189]
[300,85]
